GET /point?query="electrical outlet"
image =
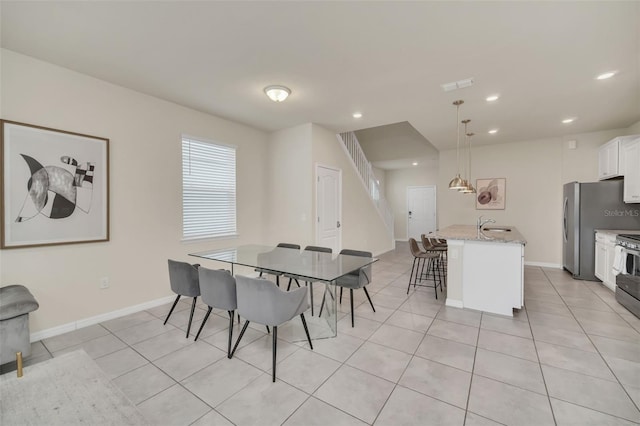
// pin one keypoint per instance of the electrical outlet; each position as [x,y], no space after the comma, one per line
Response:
[104,282]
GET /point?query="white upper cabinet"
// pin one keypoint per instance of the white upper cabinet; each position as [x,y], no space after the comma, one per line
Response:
[630,156]
[610,158]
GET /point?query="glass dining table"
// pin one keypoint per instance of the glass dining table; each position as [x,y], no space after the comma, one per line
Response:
[305,266]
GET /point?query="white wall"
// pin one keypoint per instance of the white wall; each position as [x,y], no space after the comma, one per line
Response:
[145,193]
[362,226]
[290,174]
[397,182]
[535,172]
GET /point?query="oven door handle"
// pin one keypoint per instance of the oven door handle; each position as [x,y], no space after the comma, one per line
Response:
[630,251]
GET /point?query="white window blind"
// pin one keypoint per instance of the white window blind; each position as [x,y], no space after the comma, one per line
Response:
[208,189]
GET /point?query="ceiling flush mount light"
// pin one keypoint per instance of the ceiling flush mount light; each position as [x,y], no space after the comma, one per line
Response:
[606,75]
[568,120]
[493,131]
[455,85]
[456,182]
[414,163]
[357,115]
[492,98]
[277,93]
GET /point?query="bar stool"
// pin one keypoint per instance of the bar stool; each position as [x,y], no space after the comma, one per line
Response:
[433,245]
[417,272]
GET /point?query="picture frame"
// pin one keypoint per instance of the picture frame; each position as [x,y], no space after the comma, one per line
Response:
[54,186]
[491,193]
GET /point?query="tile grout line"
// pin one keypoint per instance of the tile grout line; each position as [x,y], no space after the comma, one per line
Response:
[544,380]
[396,384]
[597,350]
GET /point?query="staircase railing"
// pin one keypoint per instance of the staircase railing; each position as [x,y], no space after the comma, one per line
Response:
[365,171]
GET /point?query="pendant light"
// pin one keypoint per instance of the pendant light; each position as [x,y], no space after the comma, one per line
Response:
[470,189]
[456,182]
[465,181]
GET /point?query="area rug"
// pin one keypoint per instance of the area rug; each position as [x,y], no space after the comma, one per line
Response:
[66,390]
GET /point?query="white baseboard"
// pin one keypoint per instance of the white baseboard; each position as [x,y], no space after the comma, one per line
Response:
[544,265]
[86,322]
[454,303]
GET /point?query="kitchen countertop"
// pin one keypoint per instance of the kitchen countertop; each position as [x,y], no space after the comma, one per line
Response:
[618,231]
[470,233]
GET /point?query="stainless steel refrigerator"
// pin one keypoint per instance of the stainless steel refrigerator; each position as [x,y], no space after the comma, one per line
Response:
[587,207]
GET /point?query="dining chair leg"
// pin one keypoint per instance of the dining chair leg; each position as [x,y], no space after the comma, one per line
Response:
[293,279]
[326,290]
[204,321]
[351,300]
[268,331]
[231,315]
[172,308]
[306,330]
[244,328]
[341,295]
[275,350]
[193,309]
[311,294]
[370,302]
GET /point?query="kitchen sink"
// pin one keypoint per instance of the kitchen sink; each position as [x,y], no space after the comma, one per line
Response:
[496,229]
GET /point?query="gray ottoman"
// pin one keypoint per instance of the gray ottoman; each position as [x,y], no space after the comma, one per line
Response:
[15,304]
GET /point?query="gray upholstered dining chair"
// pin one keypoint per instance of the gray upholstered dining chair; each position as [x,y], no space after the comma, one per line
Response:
[218,289]
[184,281]
[261,301]
[354,280]
[277,274]
[310,283]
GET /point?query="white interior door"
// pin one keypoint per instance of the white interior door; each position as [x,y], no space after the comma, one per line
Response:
[421,211]
[328,207]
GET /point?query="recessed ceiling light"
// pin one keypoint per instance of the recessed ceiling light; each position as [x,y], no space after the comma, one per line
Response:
[606,75]
[357,115]
[414,163]
[568,120]
[492,98]
[493,131]
[277,93]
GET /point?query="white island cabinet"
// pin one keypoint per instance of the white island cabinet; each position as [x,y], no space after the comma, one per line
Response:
[485,270]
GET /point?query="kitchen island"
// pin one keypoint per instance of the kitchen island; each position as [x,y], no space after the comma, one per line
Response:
[485,269]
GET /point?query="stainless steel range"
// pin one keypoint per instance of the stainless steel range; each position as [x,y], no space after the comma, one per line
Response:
[628,280]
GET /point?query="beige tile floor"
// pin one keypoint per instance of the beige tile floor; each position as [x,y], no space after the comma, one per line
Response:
[571,357]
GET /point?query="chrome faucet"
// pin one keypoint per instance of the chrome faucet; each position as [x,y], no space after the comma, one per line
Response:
[481,222]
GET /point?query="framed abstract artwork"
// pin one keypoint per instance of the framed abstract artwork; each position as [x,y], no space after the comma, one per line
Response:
[491,193]
[54,186]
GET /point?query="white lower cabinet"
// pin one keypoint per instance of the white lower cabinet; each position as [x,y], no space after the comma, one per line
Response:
[605,247]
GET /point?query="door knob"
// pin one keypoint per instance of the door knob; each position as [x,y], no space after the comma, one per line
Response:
[338,224]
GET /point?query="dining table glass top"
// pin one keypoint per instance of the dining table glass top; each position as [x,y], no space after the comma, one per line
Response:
[316,266]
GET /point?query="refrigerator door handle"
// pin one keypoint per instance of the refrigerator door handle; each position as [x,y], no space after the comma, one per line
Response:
[565,220]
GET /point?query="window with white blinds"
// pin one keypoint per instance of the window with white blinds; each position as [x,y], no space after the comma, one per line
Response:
[208,189]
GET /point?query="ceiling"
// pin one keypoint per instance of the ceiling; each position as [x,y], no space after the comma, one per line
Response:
[386,60]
